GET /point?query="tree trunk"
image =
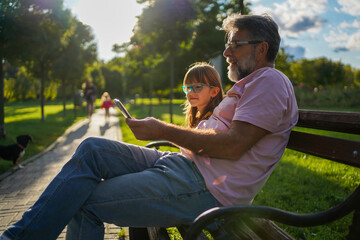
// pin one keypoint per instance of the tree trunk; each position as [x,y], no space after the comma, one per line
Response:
[171,87]
[2,100]
[150,96]
[42,97]
[74,98]
[63,88]
[242,7]
[124,88]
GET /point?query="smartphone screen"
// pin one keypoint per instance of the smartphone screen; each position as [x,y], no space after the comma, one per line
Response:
[123,110]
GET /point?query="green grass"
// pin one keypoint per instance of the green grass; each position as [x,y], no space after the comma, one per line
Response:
[25,118]
[300,183]
[304,184]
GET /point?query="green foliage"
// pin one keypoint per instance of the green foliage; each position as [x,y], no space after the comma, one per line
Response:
[44,39]
[328,97]
[321,72]
[76,53]
[283,63]
[122,233]
[97,78]
[149,53]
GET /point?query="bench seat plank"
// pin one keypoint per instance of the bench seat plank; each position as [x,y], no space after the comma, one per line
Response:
[345,122]
[341,150]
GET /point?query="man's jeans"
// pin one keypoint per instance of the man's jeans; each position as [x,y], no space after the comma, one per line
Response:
[113,182]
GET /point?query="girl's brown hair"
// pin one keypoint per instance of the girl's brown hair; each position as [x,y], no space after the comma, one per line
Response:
[201,72]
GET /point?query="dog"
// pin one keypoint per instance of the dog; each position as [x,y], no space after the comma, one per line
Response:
[15,152]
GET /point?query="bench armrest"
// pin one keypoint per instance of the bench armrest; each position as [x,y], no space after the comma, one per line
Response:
[298,220]
[157,144]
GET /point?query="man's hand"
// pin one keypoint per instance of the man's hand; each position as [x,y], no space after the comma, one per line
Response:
[146,129]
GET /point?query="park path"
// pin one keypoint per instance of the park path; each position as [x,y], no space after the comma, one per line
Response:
[19,190]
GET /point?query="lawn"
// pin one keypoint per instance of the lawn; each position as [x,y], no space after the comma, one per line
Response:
[301,183]
[25,118]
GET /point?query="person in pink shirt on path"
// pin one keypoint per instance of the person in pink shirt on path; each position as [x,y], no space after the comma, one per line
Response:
[224,161]
[106,104]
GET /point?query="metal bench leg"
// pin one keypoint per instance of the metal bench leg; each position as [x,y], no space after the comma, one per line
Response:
[354,228]
[138,233]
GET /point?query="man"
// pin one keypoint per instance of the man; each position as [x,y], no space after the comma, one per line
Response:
[224,162]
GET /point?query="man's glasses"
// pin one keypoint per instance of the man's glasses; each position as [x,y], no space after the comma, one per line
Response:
[234,44]
[197,88]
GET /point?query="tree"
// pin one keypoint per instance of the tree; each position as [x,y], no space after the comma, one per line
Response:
[78,51]
[24,28]
[164,27]
[283,63]
[46,48]
[159,38]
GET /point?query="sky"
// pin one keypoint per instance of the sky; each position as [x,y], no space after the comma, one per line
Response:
[112,21]
[308,28]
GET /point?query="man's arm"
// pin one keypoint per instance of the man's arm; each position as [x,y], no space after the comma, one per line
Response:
[230,144]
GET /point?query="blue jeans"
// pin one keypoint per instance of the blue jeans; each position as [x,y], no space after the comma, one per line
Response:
[113,182]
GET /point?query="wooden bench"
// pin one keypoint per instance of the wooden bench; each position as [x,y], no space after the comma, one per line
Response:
[257,222]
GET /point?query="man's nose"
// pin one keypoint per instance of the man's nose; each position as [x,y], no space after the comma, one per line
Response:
[227,52]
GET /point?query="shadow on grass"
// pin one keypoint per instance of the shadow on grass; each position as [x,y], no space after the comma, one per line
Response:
[300,189]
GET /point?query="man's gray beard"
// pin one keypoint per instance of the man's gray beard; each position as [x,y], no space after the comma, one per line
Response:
[242,70]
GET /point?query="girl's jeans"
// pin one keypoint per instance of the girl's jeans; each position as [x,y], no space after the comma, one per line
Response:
[113,182]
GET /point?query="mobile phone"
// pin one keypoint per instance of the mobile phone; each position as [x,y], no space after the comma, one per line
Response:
[123,110]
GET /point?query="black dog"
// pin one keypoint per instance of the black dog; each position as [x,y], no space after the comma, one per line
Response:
[14,152]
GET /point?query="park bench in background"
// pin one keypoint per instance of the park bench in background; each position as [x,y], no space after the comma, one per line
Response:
[257,222]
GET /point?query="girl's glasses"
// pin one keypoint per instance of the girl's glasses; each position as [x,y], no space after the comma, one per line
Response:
[197,88]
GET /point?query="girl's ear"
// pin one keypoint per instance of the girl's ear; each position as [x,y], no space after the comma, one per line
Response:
[214,91]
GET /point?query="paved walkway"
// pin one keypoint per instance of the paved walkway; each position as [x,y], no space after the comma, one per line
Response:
[19,190]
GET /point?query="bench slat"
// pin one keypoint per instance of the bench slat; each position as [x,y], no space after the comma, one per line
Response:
[339,150]
[346,122]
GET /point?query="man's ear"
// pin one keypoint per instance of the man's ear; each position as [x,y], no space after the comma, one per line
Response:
[261,51]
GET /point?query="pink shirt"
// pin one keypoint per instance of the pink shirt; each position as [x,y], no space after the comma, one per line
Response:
[264,98]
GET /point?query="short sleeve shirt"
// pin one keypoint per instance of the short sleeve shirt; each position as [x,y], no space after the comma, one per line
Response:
[266,99]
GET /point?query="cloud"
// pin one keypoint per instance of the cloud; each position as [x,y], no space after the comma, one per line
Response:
[306,22]
[350,7]
[340,40]
[353,42]
[341,49]
[254,1]
[354,24]
[296,17]
[343,37]
[295,51]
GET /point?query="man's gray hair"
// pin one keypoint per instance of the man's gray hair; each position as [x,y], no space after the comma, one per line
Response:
[259,27]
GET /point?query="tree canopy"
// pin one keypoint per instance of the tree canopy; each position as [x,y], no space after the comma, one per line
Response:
[45,50]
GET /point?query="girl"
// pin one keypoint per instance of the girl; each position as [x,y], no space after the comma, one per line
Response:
[107,103]
[202,86]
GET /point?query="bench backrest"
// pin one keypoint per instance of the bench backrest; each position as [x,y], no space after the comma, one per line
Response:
[341,150]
